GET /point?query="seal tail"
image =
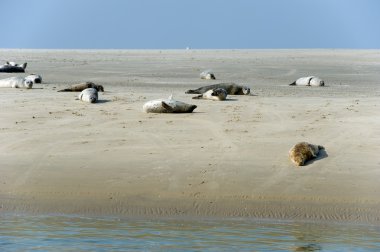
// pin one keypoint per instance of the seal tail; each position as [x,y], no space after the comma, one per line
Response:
[24,65]
[292,84]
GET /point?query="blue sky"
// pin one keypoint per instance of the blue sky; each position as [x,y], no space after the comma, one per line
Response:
[175,24]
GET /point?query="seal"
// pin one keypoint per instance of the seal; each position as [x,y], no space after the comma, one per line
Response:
[12,67]
[89,95]
[168,106]
[303,151]
[82,86]
[207,75]
[35,78]
[19,82]
[231,88]
[308,81]
[216,94]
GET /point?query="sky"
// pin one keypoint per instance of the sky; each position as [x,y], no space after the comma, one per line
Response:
[198,24]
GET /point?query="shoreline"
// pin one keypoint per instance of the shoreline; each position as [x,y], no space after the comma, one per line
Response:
[295,211]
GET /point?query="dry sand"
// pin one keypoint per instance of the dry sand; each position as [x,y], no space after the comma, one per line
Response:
[227,159]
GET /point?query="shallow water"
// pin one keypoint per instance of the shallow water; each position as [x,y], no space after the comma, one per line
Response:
[73,233]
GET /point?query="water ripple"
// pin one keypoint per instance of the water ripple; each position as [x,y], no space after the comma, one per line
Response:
[72,233]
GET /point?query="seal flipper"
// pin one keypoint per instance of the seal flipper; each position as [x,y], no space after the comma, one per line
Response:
[167,107]
[198,97]
[292,84]
[192,91]
[65,90]
[310,81]
[24,65]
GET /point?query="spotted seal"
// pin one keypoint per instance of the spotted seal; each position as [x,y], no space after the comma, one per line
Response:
[82,86]
[89,95]
[308,81]
[303,151]
[231,88]
[216,94]
[168,106]
[207,75]
[12,67]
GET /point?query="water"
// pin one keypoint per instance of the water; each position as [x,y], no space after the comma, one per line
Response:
[73,233]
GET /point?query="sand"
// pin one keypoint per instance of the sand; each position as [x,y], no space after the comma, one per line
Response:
[227,159]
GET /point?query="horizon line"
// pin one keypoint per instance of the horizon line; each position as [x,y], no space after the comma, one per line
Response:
[196,49]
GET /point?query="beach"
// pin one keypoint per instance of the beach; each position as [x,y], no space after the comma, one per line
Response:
[226,159]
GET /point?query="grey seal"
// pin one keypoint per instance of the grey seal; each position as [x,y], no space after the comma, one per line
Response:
[216,94]
[231,88]
[35,78]
[89,95]
[168,106]
[11,67]
[82,86]
[207,75]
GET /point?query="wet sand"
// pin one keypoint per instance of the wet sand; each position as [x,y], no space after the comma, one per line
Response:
[227,159]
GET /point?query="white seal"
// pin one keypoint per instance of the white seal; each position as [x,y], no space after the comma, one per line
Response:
[216,94]
[167,106]
[17,82]
[308,81]
[89,95]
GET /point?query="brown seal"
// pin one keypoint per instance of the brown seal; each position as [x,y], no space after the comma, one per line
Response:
[303,151]
[82,86]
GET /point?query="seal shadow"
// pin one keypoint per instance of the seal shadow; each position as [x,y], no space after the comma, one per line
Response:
[321,155]
[231,99]
[103,101]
